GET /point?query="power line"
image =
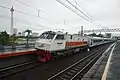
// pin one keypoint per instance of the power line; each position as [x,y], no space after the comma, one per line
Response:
[26,22]
[22,12]
[4,7]
[28,5]
[83,9]
[89,19]
[61,2]
[78,9]
[29,14]
[99,25]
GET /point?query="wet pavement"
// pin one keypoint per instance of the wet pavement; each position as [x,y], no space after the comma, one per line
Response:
[114,66]
[96,72]
[107,67]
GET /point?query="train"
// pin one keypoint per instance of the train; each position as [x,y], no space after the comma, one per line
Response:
[52,45]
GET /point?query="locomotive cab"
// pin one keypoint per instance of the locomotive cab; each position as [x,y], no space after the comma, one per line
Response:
[51,41]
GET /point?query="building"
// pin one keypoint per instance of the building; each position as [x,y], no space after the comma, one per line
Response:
[15,31]
[23,33]
[24,41]
[108,35]
[34,34]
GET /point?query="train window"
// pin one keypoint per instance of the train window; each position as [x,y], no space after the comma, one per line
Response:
[97,40]
[47,36]
[43,36]
[50,36]
[60,37]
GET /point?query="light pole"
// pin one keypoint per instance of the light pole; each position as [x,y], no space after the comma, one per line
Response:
[12,10]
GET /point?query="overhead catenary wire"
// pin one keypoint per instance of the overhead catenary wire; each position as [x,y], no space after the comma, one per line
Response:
[28,5]
[43,26]
[29,14]
[23,21]
[43,18]
[22,12]
[83,9]
[4,7]
[61,2]
[19,11]
[78,9]
[99,25]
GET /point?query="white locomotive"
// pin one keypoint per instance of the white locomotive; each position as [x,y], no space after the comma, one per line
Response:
[55,44]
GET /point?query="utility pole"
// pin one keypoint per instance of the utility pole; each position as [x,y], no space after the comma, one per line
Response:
[81,30]
[76,6]
[12,10]
[38,13]
[64,22]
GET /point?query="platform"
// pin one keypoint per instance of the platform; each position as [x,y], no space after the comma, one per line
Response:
[104,68]
[5,54]
[112,70]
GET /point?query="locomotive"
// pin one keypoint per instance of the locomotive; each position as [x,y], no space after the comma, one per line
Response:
[52,44]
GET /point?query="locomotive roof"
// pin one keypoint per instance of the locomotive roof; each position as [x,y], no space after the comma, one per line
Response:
[52,32]
[49,32]
[98,38]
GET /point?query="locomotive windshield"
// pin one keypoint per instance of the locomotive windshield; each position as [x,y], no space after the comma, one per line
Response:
[47,36]
[59,37]
[43,36]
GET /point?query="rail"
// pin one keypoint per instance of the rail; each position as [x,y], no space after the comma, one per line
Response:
[78,68]
[9,70]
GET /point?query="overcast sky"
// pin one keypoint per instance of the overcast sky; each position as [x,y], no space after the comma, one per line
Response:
[57,17]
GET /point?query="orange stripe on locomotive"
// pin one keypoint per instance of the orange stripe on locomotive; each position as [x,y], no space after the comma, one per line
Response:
[72,44]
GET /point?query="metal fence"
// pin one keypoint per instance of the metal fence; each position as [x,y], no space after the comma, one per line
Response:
[16,47]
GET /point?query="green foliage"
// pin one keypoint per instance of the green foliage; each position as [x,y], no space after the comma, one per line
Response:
[12,39]
[4,38]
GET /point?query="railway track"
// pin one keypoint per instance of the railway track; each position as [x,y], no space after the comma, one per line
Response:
[9,70]
[78,69]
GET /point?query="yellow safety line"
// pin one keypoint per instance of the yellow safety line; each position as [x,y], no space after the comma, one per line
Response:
[107,65]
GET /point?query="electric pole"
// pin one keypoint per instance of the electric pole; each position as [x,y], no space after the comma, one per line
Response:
[38,13]
[81,30]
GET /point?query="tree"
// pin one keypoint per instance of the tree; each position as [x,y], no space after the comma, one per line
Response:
[28,34]
[4,38]
[13,39]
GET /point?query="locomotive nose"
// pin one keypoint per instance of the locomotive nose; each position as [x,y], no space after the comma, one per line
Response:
[42,44]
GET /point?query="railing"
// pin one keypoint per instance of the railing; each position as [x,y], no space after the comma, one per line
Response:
[16,47]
